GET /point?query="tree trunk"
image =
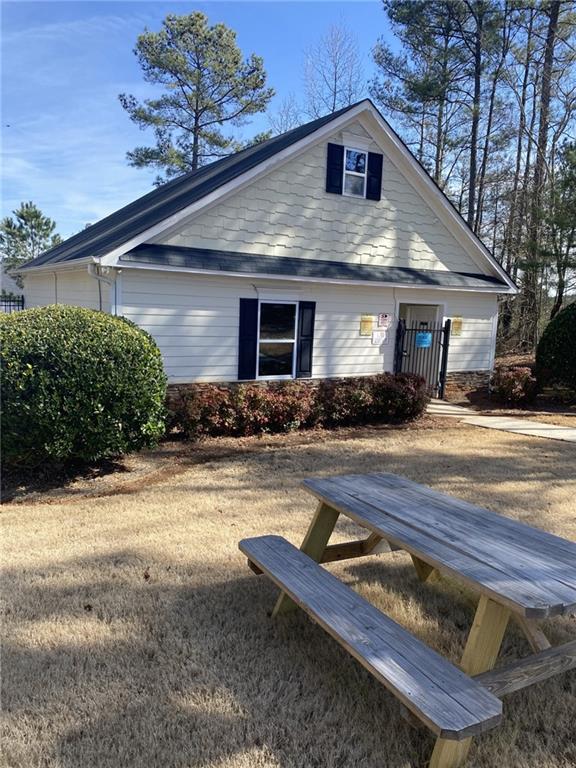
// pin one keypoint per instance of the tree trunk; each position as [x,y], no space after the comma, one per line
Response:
[491,106]
[475,116]
[559,298]
[531,303]
[422,133]
[440,134]
[196,136]
[511,240]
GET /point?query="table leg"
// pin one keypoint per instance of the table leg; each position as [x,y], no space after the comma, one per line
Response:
[537,639]
[480,654]
[424,571]
[314,544]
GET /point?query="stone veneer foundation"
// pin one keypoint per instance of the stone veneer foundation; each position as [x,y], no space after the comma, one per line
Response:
[460,382]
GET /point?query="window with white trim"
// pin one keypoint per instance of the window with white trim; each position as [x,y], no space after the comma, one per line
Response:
[277,339]
[355,170]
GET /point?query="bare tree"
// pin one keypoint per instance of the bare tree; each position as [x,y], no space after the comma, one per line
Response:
[288,116]
[333,72]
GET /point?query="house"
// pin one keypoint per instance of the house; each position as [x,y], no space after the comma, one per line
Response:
[297,257]
[7,283]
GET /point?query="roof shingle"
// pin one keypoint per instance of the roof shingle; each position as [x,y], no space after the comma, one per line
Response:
[229,262]
[156,206]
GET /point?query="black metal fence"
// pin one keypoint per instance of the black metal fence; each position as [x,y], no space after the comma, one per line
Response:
[423,349]
[11,303]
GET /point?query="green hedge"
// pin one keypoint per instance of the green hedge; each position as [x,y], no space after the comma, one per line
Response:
[77,385]
[556,352]
[250,409]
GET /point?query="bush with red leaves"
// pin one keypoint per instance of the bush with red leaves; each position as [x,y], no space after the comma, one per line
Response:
[212,410]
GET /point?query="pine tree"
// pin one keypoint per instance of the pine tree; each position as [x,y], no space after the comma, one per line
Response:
[559,224]
[205,85]
[25,236]
[420,87]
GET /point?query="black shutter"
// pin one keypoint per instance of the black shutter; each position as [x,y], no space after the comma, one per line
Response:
[334,168]
[374,179]
[247,338]
[305,341]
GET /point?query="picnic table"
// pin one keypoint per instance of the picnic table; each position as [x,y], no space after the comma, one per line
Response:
[516,570]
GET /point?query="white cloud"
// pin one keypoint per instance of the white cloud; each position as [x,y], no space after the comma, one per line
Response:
[76,28]
[74,168]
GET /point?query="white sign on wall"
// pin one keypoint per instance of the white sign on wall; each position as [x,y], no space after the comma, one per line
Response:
[385,320]
[379,337]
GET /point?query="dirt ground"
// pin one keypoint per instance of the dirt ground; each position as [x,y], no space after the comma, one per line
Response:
[135,635]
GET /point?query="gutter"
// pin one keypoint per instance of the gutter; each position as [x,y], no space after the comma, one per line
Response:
[51,266]
[104,275]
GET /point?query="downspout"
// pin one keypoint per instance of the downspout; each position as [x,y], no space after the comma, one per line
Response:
[95,271]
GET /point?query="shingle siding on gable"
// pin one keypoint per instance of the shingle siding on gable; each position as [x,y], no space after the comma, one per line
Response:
[288,213]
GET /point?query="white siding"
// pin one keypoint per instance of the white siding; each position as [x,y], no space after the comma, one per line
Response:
[39,290]
[474,349]
[76,288]
[194,319]
[288,213]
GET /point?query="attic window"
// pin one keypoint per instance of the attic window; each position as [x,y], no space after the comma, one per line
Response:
[355,168]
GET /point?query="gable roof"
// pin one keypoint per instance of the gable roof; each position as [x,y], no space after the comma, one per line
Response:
[170,198]
[131,225]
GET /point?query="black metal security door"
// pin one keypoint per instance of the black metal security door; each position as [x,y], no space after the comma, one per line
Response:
[422,348]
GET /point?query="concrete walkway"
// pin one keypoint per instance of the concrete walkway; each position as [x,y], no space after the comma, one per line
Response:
[504,423]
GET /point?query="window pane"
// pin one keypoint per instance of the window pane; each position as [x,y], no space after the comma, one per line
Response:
[354,185]
[275,359]
[355,161]
[277,321]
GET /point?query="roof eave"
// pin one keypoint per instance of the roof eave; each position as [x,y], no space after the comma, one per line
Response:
[494,289]
[54,266]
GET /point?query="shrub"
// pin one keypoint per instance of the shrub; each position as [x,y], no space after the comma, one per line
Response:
[398,398]
[282,407]
[556,351]
[77,384]
[253,409]
[343,402]
[244,409]
[205,410]
[514,385]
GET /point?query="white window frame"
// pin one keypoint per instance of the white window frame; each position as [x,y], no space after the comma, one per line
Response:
[294,341]
[355,173]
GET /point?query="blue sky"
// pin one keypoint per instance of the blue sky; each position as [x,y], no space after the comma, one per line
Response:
[64,133]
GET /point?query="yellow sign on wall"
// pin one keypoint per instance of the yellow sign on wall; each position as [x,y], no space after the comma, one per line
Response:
[456,328]
[366,325]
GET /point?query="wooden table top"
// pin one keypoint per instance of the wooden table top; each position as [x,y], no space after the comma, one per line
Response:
[529,570]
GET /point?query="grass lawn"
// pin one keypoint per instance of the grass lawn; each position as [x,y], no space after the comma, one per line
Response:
[135,635]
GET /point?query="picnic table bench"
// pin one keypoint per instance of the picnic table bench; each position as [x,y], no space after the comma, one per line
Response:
[518,571]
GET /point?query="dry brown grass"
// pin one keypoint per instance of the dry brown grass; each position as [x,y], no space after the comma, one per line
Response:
[135,636]
[561,419]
